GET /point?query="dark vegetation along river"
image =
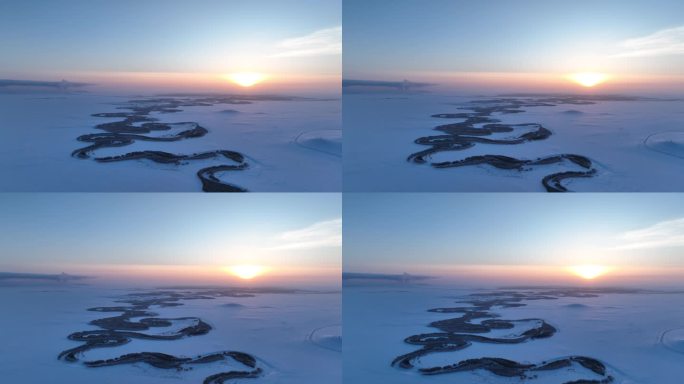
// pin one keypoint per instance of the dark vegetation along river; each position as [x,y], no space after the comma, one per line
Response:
[477,318]
[135,320]
[478,126]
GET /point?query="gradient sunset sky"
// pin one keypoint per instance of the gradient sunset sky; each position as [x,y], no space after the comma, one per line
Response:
[528,44]
[531,237]
[173,237]
[174,44]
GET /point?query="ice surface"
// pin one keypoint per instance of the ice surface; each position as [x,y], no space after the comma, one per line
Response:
[669,143]
[635,145]
[328,337]
[328,141]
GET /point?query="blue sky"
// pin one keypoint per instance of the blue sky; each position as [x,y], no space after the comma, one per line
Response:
[81,38]
[416,38]
[399,232]
[53,232]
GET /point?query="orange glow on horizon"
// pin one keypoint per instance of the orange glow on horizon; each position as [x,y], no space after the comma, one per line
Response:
[552,82]
[544,274]
[273,274]
[275,82]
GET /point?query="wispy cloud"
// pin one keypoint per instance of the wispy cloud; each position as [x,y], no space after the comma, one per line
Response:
[664,42]
[664,234]
[322,42]
[322,234]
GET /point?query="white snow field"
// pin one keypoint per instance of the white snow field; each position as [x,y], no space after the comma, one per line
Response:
[634,145]
[637,336]
[289,145]
[279,330]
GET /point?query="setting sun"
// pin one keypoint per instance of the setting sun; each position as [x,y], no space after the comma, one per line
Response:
[246,79]
[246,272]
[588,79]
[589,271]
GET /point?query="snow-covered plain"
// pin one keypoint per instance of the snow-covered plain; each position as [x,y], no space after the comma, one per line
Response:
[295,337]
[634,145]
[290,145]
[638,336]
